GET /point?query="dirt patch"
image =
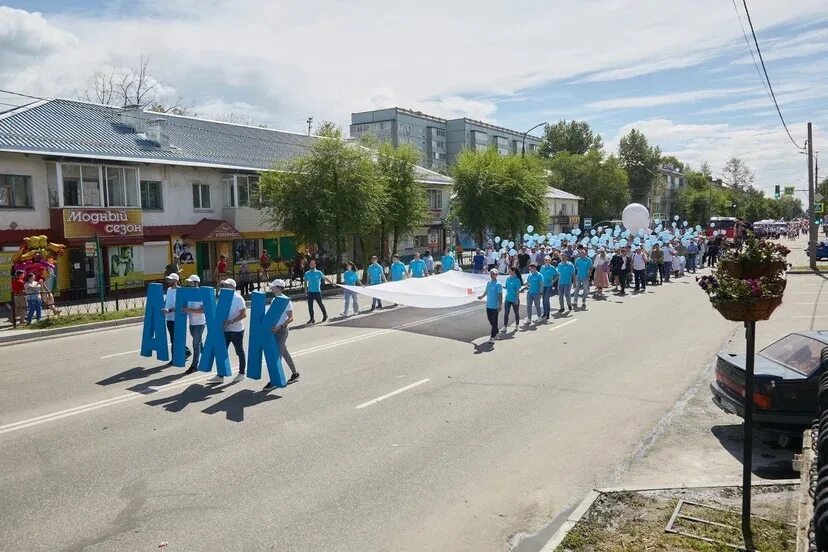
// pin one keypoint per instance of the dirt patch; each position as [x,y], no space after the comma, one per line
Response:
[635,521]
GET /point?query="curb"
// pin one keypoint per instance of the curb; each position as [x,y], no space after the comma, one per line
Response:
[587,502]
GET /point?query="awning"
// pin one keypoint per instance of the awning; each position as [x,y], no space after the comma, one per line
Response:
[165,231]
[214,230]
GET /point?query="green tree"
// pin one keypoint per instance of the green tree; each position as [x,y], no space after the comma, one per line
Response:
[673,161]
[737,175]
[503,194]
[641,161]
[407,206]
[326,196]
[573,137]
[601,182]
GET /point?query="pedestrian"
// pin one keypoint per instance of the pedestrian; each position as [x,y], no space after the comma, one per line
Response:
[503,263]
[477,262]
[626,269]
[701,257]
[417,267]
[583,267]
[221,269]
[280,330]
[397,270]
[447,262]
[534,292]
[692,251]
[234,331]
[313,283]
[376,275]
[34,302]
[197,321]
[245,282]
[667,264]
[169,312]
[174,267]
[264,268]
[429,262]
[550,276]
[657,258]
[566,277]
[47,295]
[351,278]
[601,278]
[713,248]
[616,264]
[523,260]
[494,302]
[640,269]
[512,300]
[18,290]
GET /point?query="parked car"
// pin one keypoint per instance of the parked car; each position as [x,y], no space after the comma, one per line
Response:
[786,382]
[821,251]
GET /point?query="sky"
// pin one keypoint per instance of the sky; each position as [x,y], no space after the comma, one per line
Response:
[679,70]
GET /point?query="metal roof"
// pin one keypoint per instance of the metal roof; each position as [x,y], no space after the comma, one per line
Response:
[86,130]
[556,193]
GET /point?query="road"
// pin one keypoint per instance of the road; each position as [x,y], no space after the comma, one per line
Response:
[469,447]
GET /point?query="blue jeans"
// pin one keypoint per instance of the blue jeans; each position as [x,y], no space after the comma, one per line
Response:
[351,296]
[582,286]
[565,290]
[547,293]
[691,262]
[34,307]
[533,298]
[197,332]
[667,267]
[237,339]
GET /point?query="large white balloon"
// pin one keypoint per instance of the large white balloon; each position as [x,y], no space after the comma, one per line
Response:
[635,217]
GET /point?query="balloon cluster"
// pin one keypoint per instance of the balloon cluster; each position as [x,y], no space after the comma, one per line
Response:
[37,256]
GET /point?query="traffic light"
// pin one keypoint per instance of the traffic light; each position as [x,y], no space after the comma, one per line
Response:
[776,193]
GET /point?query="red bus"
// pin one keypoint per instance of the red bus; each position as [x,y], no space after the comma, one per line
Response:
[718,225]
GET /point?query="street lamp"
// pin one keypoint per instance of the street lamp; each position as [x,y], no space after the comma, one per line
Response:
[525,134]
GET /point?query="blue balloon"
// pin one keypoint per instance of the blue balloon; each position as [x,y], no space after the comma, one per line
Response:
[594,240]
[592,232]
[641,232]
[576,232]
[622,242]
[636,241]
[698,228]
[591,253]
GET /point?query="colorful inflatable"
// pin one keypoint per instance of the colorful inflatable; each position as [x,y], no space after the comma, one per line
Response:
[37,256]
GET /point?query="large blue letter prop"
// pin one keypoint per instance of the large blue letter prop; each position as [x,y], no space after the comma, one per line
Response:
[261,338]
[154,338]
[183,296]
[215,348]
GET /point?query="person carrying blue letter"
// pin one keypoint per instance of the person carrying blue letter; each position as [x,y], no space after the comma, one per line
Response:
[280,330]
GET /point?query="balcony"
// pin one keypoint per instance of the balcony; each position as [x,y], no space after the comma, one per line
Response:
[245,219]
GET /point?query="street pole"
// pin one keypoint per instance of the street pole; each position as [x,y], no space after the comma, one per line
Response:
[100,271]
[525,134]
[310,123]
[812,225]
[747,450]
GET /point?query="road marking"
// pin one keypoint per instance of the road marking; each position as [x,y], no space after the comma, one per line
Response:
[119,354]
[559,326]
[811,316]
[392,393]
[812,303]
[37,420]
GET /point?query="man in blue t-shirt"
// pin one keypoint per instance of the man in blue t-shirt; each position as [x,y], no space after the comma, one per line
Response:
[477,262]
[534,290]
[417,267]
[550,275]
[494,301]
[313,283]
[447,262]
[583,266]
[566,277]
[376,275]
[397,270]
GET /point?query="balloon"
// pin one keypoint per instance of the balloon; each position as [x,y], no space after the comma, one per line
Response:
[622,242]
[511,244]
[592,232]
[497,239]
[712,225]
[641,232]
[636,241]
[591,253]
[698,228]
[576,232]
[657,221]
[530,228]
[512,252]
[674,225]
[635,217]
[525,237]
[594,241]
[685,223]
[676,217]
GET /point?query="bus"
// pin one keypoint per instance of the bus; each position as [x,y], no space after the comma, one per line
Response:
[718,225]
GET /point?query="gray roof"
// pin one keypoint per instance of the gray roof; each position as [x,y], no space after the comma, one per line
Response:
[556,193]
[84,130]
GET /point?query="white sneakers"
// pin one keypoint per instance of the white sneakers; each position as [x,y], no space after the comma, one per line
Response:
[238,378]
[215,379]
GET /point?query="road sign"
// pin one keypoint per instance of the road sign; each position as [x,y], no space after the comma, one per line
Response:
[587,223]
[818,207]
[789,190]
[91,249]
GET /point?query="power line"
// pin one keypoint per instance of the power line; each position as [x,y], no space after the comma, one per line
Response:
[750,50]
[764,69]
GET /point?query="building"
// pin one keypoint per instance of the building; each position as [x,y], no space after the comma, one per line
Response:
[563,210]
[148,185]
[664,198]
[438,140]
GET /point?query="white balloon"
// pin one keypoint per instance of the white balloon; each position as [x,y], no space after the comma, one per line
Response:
[635,217]
[685,223]
[576,232]
[497,239]
[676,217]
[591,253]
[512,252]
[530,228]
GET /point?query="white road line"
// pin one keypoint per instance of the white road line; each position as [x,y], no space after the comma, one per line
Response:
[119,354]
[559,326]
[812,303]
[37,420]
[392,393]
[811,316]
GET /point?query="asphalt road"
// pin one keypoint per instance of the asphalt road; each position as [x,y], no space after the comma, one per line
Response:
[105,450]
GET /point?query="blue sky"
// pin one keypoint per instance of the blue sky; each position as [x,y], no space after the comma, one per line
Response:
[682,74]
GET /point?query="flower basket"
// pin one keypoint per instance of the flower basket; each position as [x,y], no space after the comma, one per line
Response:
[750,309]
[744,270]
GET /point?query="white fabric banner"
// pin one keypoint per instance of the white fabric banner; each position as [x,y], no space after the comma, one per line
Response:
[449,289]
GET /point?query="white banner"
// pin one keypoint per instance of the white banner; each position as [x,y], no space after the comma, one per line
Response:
[449,289]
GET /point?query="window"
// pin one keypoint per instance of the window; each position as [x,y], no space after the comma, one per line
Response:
[420,241]
[229,192]
[81,185]
[247,188]
[201,196]
[121,186]
[151,195]
[15,191]
[435,200]
[246,250]
[441,132]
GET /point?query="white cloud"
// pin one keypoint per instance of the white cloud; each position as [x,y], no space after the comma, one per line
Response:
[666,99]
[28,36]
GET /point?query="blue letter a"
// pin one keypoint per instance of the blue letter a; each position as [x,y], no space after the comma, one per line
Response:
[262,340]
[154,338]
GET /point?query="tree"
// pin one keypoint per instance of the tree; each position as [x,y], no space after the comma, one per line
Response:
[602,183]
[328,129]
[737,175]
[503,194]
[407,207]
[326,196]
[705,170]
[573,137]
[641,161]
[673,161]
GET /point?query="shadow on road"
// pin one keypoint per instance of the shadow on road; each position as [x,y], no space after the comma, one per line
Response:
[195,393]
[138,372]
[234,405]
[770,461]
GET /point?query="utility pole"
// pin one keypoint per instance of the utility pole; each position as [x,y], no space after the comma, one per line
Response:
[310,124]
[812,225]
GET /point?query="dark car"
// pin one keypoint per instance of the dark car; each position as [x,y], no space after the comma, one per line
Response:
[786,382]
[821,251]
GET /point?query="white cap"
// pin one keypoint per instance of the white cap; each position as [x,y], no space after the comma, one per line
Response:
[493,271]
[277,283]
[173,276]
[193,278]
[229,282]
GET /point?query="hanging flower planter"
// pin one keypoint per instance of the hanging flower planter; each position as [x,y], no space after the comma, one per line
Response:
[748,269]
[748,310]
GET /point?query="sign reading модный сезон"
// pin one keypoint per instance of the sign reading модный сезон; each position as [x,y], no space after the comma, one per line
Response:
[85,223]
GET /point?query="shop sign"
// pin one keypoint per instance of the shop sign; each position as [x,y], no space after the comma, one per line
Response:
[84,223]
[432,238]
[562,220]
[574,221]
[5,280]
[91,249]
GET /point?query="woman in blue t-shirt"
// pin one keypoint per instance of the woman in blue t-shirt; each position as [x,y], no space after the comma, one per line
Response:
[512,286]
[351,278]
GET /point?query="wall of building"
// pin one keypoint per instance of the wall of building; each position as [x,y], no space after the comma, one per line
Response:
[27,165]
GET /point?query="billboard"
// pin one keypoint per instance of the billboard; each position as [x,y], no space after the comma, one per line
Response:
[86,223]
[126,266]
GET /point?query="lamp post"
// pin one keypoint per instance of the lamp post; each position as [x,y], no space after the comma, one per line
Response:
[525,134]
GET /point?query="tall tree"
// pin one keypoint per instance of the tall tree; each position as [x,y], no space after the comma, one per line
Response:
[497,193]
[673,161]
[737,175]
[602,183]
[705,170]
[407,207]
[573,137]
[326,196]
[641,161]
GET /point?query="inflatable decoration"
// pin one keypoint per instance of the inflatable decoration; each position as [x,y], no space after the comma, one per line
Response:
[37,256]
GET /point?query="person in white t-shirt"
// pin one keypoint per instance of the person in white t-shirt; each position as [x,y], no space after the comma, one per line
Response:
[280,330]
[195,316]
[234,330]
[169,312]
